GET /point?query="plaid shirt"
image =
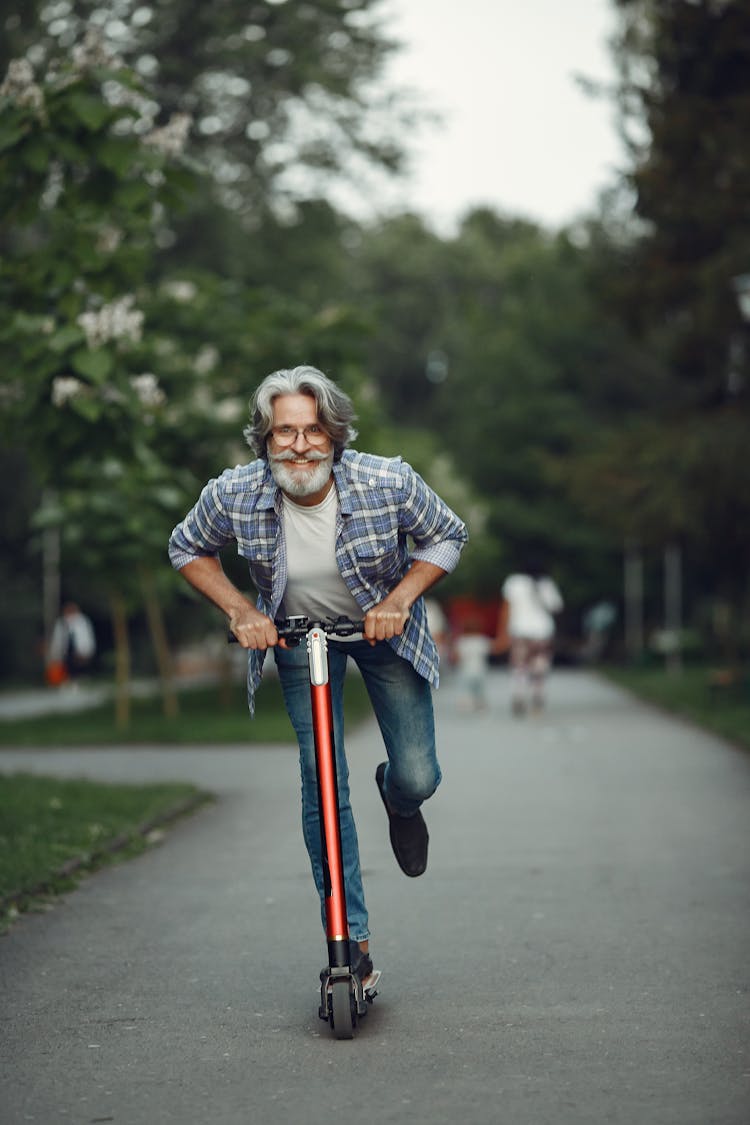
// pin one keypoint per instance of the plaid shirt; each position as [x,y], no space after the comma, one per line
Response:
[382,501]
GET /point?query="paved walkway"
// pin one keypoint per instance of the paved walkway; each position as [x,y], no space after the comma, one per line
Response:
[576,953]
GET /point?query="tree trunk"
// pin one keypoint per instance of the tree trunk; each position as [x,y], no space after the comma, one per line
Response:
[162,652]
[633,590]
[673,607]
[122,659]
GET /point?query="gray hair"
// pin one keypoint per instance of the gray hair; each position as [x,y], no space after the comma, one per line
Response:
[335,408]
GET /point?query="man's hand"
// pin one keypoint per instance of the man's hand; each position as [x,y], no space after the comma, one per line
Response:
[253,629]
[386,620]
[389,618]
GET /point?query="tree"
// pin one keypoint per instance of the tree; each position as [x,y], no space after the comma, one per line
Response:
[673,469]
[492,341]
[685,93]
[282,94]
[82,199]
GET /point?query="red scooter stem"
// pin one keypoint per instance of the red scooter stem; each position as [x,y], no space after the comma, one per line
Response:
[337,926]
[336,922]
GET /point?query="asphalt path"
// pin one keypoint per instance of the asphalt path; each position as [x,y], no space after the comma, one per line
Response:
[577,951]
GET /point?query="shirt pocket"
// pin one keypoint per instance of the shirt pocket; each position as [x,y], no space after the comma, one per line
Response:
[380,557]
[259,550]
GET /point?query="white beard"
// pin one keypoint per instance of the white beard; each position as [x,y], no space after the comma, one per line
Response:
[305,483]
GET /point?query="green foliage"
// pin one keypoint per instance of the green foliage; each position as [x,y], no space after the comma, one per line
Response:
[673,466]
[283,95]
[77,229]
[686,85]
[491,342]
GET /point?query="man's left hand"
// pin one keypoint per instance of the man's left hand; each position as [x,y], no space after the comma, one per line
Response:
[385,621]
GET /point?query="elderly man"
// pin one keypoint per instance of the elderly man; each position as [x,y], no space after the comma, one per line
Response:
[327,532]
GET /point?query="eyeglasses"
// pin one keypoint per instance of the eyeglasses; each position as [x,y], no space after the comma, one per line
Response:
[287,435]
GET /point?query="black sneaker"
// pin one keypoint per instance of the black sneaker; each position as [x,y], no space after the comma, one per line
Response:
[409,837]
[361,962]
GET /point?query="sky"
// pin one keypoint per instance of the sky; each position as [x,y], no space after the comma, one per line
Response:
[518,134]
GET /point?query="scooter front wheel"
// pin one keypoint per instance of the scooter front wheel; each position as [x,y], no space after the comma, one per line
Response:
[341,1016]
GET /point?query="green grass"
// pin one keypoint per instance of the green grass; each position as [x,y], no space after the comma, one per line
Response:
[53,830]
[724,711]
[207,715]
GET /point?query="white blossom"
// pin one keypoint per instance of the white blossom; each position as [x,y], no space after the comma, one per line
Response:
[54,186]
[181,291]
[170,139]
[20,87]
[147,389]
[229,410]
[65,387]
[115,321]
[94,51]
[206,360]
[108,239]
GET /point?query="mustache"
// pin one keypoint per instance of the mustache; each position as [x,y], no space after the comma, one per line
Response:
[290,455]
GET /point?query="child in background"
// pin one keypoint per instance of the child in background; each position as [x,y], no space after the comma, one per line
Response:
[472,649]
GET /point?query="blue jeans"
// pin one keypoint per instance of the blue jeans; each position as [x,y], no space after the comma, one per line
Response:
[402,702]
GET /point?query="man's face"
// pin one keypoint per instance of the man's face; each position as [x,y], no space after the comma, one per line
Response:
[300,453]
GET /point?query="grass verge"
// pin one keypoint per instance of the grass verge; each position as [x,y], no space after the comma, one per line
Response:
[54,830]
[215,714]
[694,694]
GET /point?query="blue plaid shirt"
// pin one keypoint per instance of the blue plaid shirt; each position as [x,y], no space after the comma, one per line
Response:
[382,503]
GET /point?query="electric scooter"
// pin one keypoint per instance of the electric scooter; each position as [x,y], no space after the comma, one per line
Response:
[344,998]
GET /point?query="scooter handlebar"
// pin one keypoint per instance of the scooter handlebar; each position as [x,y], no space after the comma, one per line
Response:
[294,629]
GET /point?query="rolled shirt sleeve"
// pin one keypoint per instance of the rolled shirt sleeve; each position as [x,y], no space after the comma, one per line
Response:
[439,535]
[204,530]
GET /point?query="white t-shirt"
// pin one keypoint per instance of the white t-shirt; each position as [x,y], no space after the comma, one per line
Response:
[531,604]
[314,585]
[75,631]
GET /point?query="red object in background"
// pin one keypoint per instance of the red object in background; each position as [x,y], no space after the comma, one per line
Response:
[55,673]
[460,611]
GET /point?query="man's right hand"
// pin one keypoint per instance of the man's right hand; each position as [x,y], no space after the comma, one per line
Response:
[253,629]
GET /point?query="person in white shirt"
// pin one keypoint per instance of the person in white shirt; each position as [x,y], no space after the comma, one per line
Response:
[533,600]
[73,642]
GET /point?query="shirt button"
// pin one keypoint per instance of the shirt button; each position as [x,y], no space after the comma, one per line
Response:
[372,482]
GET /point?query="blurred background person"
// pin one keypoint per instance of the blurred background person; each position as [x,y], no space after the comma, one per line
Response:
[532,599]
[72,645]
[471,650]
[598,622]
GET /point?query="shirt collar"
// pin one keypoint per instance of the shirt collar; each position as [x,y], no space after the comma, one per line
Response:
[342,487]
